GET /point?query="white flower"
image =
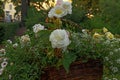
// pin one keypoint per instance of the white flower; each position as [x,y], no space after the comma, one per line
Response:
[116,50]
[57,11]
[59,38]
[15,45]
[67,6]
[5,59]
[50,14]
[59,2]
[114,69]
[37,28]
[1,71]
[4,64]
[24,39]
[106,58]
[115,79]
[111,53]
[10,76]
[9,41]
[106,78]
[2,51]
[118,61]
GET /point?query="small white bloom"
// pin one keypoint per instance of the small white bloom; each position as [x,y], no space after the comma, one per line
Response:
[107,42]
[116,50]
[106,78]
[15,45]
[1,71]
[5,59]
[118,61]
[37,28]
[111,63]
[59,38]
[115,79]
[119,49]
[4,64]
[9,41]
[106,58]
[114,69]
[111,53]
[10,76]
[2,51]
[57,11]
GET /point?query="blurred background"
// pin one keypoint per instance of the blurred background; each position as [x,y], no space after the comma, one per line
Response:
[18,15]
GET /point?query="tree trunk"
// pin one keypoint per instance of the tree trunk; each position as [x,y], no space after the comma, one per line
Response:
[24,7]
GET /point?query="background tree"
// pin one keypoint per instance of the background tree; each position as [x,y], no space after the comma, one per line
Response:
[110,14]
[1,9]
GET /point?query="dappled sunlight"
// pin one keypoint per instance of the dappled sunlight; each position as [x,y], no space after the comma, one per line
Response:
[46,5]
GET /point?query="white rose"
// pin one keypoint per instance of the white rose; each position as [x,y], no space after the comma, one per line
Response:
[37,28]
[59,38]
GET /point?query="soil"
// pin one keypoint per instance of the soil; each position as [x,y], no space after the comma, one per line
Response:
[20,31]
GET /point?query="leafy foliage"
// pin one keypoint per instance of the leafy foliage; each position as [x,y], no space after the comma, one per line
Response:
[34,17]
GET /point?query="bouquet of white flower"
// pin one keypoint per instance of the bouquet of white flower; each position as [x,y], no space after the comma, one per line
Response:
[34,53]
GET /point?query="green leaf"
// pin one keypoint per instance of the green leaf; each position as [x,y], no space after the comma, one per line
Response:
[67,60]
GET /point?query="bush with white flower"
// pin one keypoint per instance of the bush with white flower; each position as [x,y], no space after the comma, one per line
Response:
[27,56]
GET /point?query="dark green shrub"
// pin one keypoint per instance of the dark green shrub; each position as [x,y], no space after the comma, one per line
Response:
[110,13]
[1,33]
[8,30]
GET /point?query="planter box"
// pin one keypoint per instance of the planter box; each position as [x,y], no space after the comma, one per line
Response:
[91,70]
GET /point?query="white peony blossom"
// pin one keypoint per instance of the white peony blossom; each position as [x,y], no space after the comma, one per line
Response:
[57,11]
[59,38]
[37,28]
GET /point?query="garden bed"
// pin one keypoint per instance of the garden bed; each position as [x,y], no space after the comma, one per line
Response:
[91,70]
